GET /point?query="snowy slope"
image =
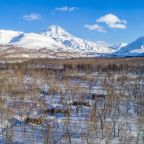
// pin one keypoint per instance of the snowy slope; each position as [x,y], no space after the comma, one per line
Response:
[119,46]
[7,35]
[135,48]
[34,41]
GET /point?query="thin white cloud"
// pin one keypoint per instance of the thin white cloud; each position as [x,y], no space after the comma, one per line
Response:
[95,27]
[112,21]
[31,17]
[66,8]
[118,26]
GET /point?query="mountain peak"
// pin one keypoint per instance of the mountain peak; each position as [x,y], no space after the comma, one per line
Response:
[56,31]
[72,42]
[55,28]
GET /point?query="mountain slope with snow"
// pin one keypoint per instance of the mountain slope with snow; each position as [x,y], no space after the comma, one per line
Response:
[34,41]
[135,48]
[119,46]
[69,41]
[7,35]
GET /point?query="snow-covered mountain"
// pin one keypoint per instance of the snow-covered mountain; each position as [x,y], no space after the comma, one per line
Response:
[55,42]
[135,48]
[50,43]
[77,44]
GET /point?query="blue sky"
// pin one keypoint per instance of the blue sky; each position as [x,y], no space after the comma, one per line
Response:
[112,21]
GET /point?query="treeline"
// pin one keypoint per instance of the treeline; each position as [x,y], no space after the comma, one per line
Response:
[105,67]
[131,64]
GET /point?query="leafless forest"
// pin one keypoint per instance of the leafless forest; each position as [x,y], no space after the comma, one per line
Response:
[72,101]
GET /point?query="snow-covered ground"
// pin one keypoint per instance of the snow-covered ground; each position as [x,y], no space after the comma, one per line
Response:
[107,113]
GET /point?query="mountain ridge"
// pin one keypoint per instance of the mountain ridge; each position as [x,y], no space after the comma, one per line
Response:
[56,42]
